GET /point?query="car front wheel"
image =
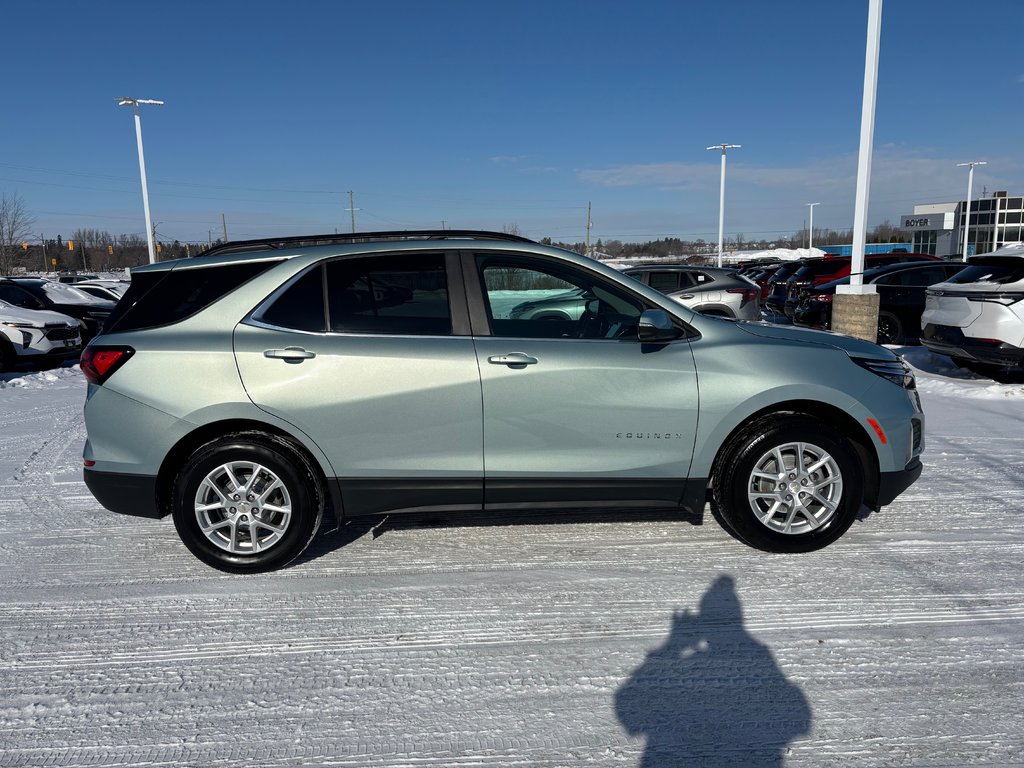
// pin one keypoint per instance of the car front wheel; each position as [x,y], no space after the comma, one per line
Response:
[246,503]
[789,485]
[890,329]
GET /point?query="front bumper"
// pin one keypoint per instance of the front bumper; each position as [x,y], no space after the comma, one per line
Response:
[892,484]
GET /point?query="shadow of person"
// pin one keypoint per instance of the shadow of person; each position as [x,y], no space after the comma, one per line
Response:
[711,695]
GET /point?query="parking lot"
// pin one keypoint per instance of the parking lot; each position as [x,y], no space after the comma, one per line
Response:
[612,640]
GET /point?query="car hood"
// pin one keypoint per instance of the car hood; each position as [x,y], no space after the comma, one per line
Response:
[848,344]
[12,314]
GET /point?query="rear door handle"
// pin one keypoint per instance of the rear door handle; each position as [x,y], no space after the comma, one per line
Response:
[513,359]
[289,354]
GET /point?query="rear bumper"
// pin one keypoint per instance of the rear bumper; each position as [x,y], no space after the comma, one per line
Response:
[125,494]
[892,484]
[950,340]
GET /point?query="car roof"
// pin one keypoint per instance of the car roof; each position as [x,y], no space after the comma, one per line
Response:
[678,267]
[319,246]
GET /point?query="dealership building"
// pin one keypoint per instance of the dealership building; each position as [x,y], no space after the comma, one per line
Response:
[938,228]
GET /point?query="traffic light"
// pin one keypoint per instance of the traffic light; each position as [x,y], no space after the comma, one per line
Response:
[24,245]
[110,250]
[71,245]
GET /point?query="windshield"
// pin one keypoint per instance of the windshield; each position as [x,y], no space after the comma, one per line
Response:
[62,293]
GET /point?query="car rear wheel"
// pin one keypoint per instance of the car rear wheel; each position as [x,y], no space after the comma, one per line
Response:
[890,329]
[788,485]
[247,503]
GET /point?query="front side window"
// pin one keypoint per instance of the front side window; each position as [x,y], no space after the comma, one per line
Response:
[18,297]
[392,294]
[529,298]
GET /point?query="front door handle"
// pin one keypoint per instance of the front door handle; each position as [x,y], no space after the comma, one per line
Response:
[289,354]
[513,360]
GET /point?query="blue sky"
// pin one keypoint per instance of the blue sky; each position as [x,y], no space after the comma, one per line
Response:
[487,114]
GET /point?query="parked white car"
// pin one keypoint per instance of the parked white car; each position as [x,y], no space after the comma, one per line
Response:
[111,290]
[977,316]
[36,336]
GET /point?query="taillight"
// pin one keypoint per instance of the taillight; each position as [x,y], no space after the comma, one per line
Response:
[827,297]
[749,294]
[99,363]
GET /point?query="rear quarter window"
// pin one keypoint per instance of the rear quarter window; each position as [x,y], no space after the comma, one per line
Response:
[163,298]
[1000,271]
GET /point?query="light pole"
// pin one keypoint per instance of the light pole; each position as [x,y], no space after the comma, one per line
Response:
[970,190]
[721,198]
[125,101]
[810,230]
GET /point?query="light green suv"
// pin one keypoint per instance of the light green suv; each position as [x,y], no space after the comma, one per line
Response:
[250,391]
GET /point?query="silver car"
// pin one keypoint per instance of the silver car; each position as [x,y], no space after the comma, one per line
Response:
[715,291]
[251,391]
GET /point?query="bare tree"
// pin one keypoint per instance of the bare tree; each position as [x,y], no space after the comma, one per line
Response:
[15,228]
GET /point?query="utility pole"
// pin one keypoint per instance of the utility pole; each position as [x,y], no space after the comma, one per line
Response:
[352,209]
[46,264]
[970,190]
[721,199]
[224,222]
[589,225]
[855,306]
[124,101]
[810,231]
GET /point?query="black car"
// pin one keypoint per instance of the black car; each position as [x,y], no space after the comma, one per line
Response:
[776,290]
[820,271]
[37,293]
[901,290]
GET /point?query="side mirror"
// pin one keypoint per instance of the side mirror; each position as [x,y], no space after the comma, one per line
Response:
[656,325]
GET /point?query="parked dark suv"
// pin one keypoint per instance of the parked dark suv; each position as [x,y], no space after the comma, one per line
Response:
[39,293]
[821,271]
[901,296]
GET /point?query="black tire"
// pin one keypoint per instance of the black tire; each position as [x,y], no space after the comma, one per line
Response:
[7,356]
[890,329]
[285,482]
[816,520]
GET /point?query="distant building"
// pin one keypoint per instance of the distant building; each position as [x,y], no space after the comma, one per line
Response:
[938,228]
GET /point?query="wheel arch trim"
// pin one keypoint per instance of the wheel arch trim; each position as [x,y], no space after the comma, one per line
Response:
[176,457]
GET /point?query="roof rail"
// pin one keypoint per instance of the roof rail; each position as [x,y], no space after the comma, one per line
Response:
[274,243]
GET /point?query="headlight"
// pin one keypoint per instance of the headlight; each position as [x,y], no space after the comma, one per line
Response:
[20,325]
[896,371]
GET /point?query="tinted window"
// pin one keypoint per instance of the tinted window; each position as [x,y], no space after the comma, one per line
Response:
[992,270]
[664,281]
[162,298]
[926,276]
[395,294]
[12,294]
[301,306]
[527,298]
[823,267]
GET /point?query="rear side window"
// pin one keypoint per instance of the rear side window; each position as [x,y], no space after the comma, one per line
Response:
[163,298]
[301,306]
[1001,271]
[393,294]
[664,281]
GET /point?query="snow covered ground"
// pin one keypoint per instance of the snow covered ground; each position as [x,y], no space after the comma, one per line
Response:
[603,641]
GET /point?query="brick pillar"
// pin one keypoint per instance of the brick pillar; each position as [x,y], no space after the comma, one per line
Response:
[856,314]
